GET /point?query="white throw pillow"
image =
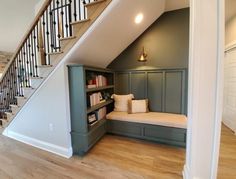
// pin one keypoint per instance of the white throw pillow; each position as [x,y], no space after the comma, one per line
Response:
[121,102]
[138,106]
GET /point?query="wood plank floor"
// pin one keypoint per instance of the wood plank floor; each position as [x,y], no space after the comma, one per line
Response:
[227,160]
[113,157]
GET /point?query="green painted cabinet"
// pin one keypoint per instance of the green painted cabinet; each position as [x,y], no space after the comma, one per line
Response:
[84,135]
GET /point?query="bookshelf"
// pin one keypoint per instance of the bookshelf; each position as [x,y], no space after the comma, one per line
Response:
[90,90]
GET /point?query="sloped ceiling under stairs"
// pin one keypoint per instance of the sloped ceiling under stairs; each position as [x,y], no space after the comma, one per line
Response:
[115,30]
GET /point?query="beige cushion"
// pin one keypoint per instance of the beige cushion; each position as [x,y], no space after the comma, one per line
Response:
[121,102]
[154,118]
[138,106]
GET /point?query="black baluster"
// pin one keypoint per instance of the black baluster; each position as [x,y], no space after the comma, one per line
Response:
[58,25]
[79,11]
[28,62]
[26,66]
[67,20]
[35,52]
[75,14]
[47,50]
[30,57]
[84,9]
[70,18]
[23,68]
[17,74]
[62,18]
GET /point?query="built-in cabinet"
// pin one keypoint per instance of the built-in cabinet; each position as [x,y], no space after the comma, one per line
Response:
[90,99]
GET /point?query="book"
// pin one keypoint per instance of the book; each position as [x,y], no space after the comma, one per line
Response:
[96,98]
[92,118]
[91,86]
[101,113]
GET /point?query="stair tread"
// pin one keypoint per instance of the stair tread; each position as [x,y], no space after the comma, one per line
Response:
[54,53]
[81,21]
[44,66]
[67,38]
[14,105]
[20,97]
[28,88]
[94,2]
[36,77]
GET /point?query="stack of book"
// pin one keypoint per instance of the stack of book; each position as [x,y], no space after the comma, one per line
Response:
[96,116]
[96,98]
[101,113]
[98,81]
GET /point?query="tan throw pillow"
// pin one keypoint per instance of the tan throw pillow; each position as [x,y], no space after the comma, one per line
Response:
[121,102]
[138,106]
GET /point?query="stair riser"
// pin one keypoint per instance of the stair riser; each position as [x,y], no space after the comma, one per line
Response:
[15,110]
[4,123]
[43,72]
[80,28]
[10,117]
[28,92]
[66,44]
[96,9]
[55,59]
[20,101]
[36,82]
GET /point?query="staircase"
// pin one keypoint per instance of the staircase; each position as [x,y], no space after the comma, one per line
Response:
[57,27]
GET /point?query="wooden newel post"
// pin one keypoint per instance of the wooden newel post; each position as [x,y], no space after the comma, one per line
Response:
[42,55]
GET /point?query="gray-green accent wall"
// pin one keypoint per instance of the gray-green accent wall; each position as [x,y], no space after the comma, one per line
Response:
[166,42]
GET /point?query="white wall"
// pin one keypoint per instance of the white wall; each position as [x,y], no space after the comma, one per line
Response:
[45,121]
[229,108]
[15,18]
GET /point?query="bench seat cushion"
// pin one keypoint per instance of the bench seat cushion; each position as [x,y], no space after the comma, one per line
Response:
[154,118]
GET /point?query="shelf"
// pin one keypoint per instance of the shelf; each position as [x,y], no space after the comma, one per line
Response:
[99,88]
[98,106]
[97,124]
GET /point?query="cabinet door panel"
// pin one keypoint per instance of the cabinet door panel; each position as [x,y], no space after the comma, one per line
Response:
[155,87]
[138,85]
[122,83]
[173,92]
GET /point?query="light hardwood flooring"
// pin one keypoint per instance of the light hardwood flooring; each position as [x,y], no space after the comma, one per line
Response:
[113,157]
[227,160]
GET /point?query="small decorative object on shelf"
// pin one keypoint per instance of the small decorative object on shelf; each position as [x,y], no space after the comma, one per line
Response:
[90,91]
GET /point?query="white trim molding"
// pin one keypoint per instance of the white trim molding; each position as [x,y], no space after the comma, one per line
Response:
[205,94]
[62,151]
[230,46]
[186,172]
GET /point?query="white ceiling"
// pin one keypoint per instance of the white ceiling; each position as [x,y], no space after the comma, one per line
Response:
[15,18]
[230,9]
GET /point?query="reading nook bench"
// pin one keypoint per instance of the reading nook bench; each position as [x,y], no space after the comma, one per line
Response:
[154,126]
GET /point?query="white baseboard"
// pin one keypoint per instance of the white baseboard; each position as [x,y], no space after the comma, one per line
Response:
[229,125]
[185,172]
[62,151]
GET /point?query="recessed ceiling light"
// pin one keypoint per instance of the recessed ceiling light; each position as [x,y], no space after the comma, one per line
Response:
[139,18]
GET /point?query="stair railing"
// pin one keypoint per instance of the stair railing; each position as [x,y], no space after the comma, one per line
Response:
[52,23]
